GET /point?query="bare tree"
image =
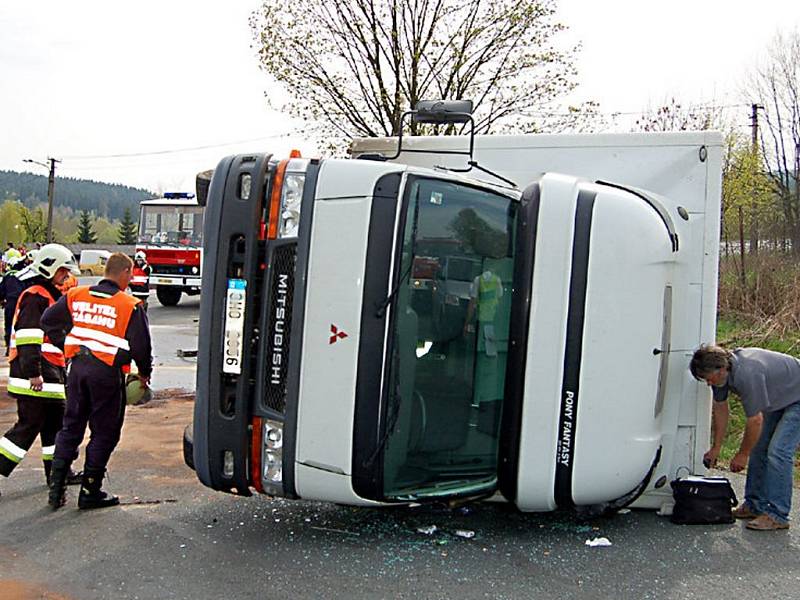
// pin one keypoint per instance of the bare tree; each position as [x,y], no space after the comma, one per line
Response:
[351,67]
[672,115]
[775,86]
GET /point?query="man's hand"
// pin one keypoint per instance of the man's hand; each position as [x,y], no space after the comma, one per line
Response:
[144,381]
[710,458]
[37,383]
[739,462]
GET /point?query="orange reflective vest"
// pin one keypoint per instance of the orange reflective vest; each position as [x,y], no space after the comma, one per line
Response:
[34,336]
[99,323]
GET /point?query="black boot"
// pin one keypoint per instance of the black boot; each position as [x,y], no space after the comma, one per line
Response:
[73,478]
[92,496]
[58,483]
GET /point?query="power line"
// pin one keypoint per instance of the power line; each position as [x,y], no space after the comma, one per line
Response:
[174,150]
[531,113]
[614,113]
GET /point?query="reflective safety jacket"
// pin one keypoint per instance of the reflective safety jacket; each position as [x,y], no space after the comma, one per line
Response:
[28,337]
[140,275]
[140,281]
[99,323]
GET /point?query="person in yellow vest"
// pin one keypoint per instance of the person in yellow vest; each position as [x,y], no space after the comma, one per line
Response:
[36,374]
[101,329]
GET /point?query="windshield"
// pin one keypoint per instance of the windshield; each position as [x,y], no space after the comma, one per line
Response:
[171,225]
[448,361]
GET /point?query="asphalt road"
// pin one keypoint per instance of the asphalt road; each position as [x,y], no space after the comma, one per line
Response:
[173,538]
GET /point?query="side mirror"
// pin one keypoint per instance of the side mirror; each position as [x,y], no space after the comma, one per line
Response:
[442,112]
[202,182]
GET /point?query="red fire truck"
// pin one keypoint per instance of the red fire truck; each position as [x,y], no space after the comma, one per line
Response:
[171,236]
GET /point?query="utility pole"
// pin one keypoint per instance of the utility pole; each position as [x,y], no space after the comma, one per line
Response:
[754,108]
[754,235]
[51,188]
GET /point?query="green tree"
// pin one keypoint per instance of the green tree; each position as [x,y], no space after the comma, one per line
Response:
[775,87]
[127,229]
[107,231]
[85,233]
[32,223]
[352,67]
[10,230]
[748,195]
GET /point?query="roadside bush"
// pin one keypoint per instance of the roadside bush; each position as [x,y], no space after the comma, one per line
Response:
[763,307]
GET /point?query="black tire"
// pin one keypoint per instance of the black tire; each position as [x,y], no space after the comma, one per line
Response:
[168,296]
[188,447]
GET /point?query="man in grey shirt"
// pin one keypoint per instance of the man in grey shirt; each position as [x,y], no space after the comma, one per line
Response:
[768,384]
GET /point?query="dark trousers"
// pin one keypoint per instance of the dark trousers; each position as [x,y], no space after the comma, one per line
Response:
[35,416]
[8,318]
[95,396]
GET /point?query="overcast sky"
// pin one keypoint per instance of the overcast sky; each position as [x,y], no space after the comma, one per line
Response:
[176,84]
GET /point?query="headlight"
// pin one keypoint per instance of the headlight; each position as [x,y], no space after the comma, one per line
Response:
[273,453]
[291,198]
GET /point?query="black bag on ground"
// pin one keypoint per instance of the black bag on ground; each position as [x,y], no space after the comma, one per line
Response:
[703,501]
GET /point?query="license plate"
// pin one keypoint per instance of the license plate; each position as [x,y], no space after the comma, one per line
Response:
[167,281]
[234,327]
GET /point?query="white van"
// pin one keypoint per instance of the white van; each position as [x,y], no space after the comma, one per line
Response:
[93,262]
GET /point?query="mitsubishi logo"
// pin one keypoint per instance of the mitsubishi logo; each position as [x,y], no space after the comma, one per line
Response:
[336,334]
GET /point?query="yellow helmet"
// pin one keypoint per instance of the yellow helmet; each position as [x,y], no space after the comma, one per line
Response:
[135,393]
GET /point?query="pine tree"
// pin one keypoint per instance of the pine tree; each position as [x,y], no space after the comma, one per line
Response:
[85,233]
[127,229]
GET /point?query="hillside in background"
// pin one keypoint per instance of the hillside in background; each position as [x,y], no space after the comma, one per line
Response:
[103,199]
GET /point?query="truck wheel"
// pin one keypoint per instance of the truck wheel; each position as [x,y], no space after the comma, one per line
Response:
[168,296]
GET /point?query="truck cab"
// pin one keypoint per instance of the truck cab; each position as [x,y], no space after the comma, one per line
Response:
[379,331]
[171,237]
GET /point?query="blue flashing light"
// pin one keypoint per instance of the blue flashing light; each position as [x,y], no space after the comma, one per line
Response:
[173,195]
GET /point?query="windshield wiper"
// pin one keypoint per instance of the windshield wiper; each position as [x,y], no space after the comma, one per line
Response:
[381,310]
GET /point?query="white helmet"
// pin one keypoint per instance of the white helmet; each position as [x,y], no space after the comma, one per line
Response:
[51,257]
[16,262]
[140,255]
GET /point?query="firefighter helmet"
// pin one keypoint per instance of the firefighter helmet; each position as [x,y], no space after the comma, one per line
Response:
[51,257]
[135,393]
[140,255]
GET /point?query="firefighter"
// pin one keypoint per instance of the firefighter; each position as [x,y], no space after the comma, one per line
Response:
[101,329]
[140,281]
[10,289]
[10,255]
[70,282]
[36,377]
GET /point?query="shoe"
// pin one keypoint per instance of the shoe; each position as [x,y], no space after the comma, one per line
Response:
[766,523]
[744,512]
[74,477]
[57,481]
[92,495]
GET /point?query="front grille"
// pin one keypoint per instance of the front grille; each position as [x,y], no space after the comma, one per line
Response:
[279,323]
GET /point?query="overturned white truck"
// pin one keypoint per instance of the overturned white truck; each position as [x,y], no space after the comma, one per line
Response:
[456,317]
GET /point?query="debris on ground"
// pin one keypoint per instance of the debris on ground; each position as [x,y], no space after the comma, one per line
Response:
[598,542]
[465,533]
